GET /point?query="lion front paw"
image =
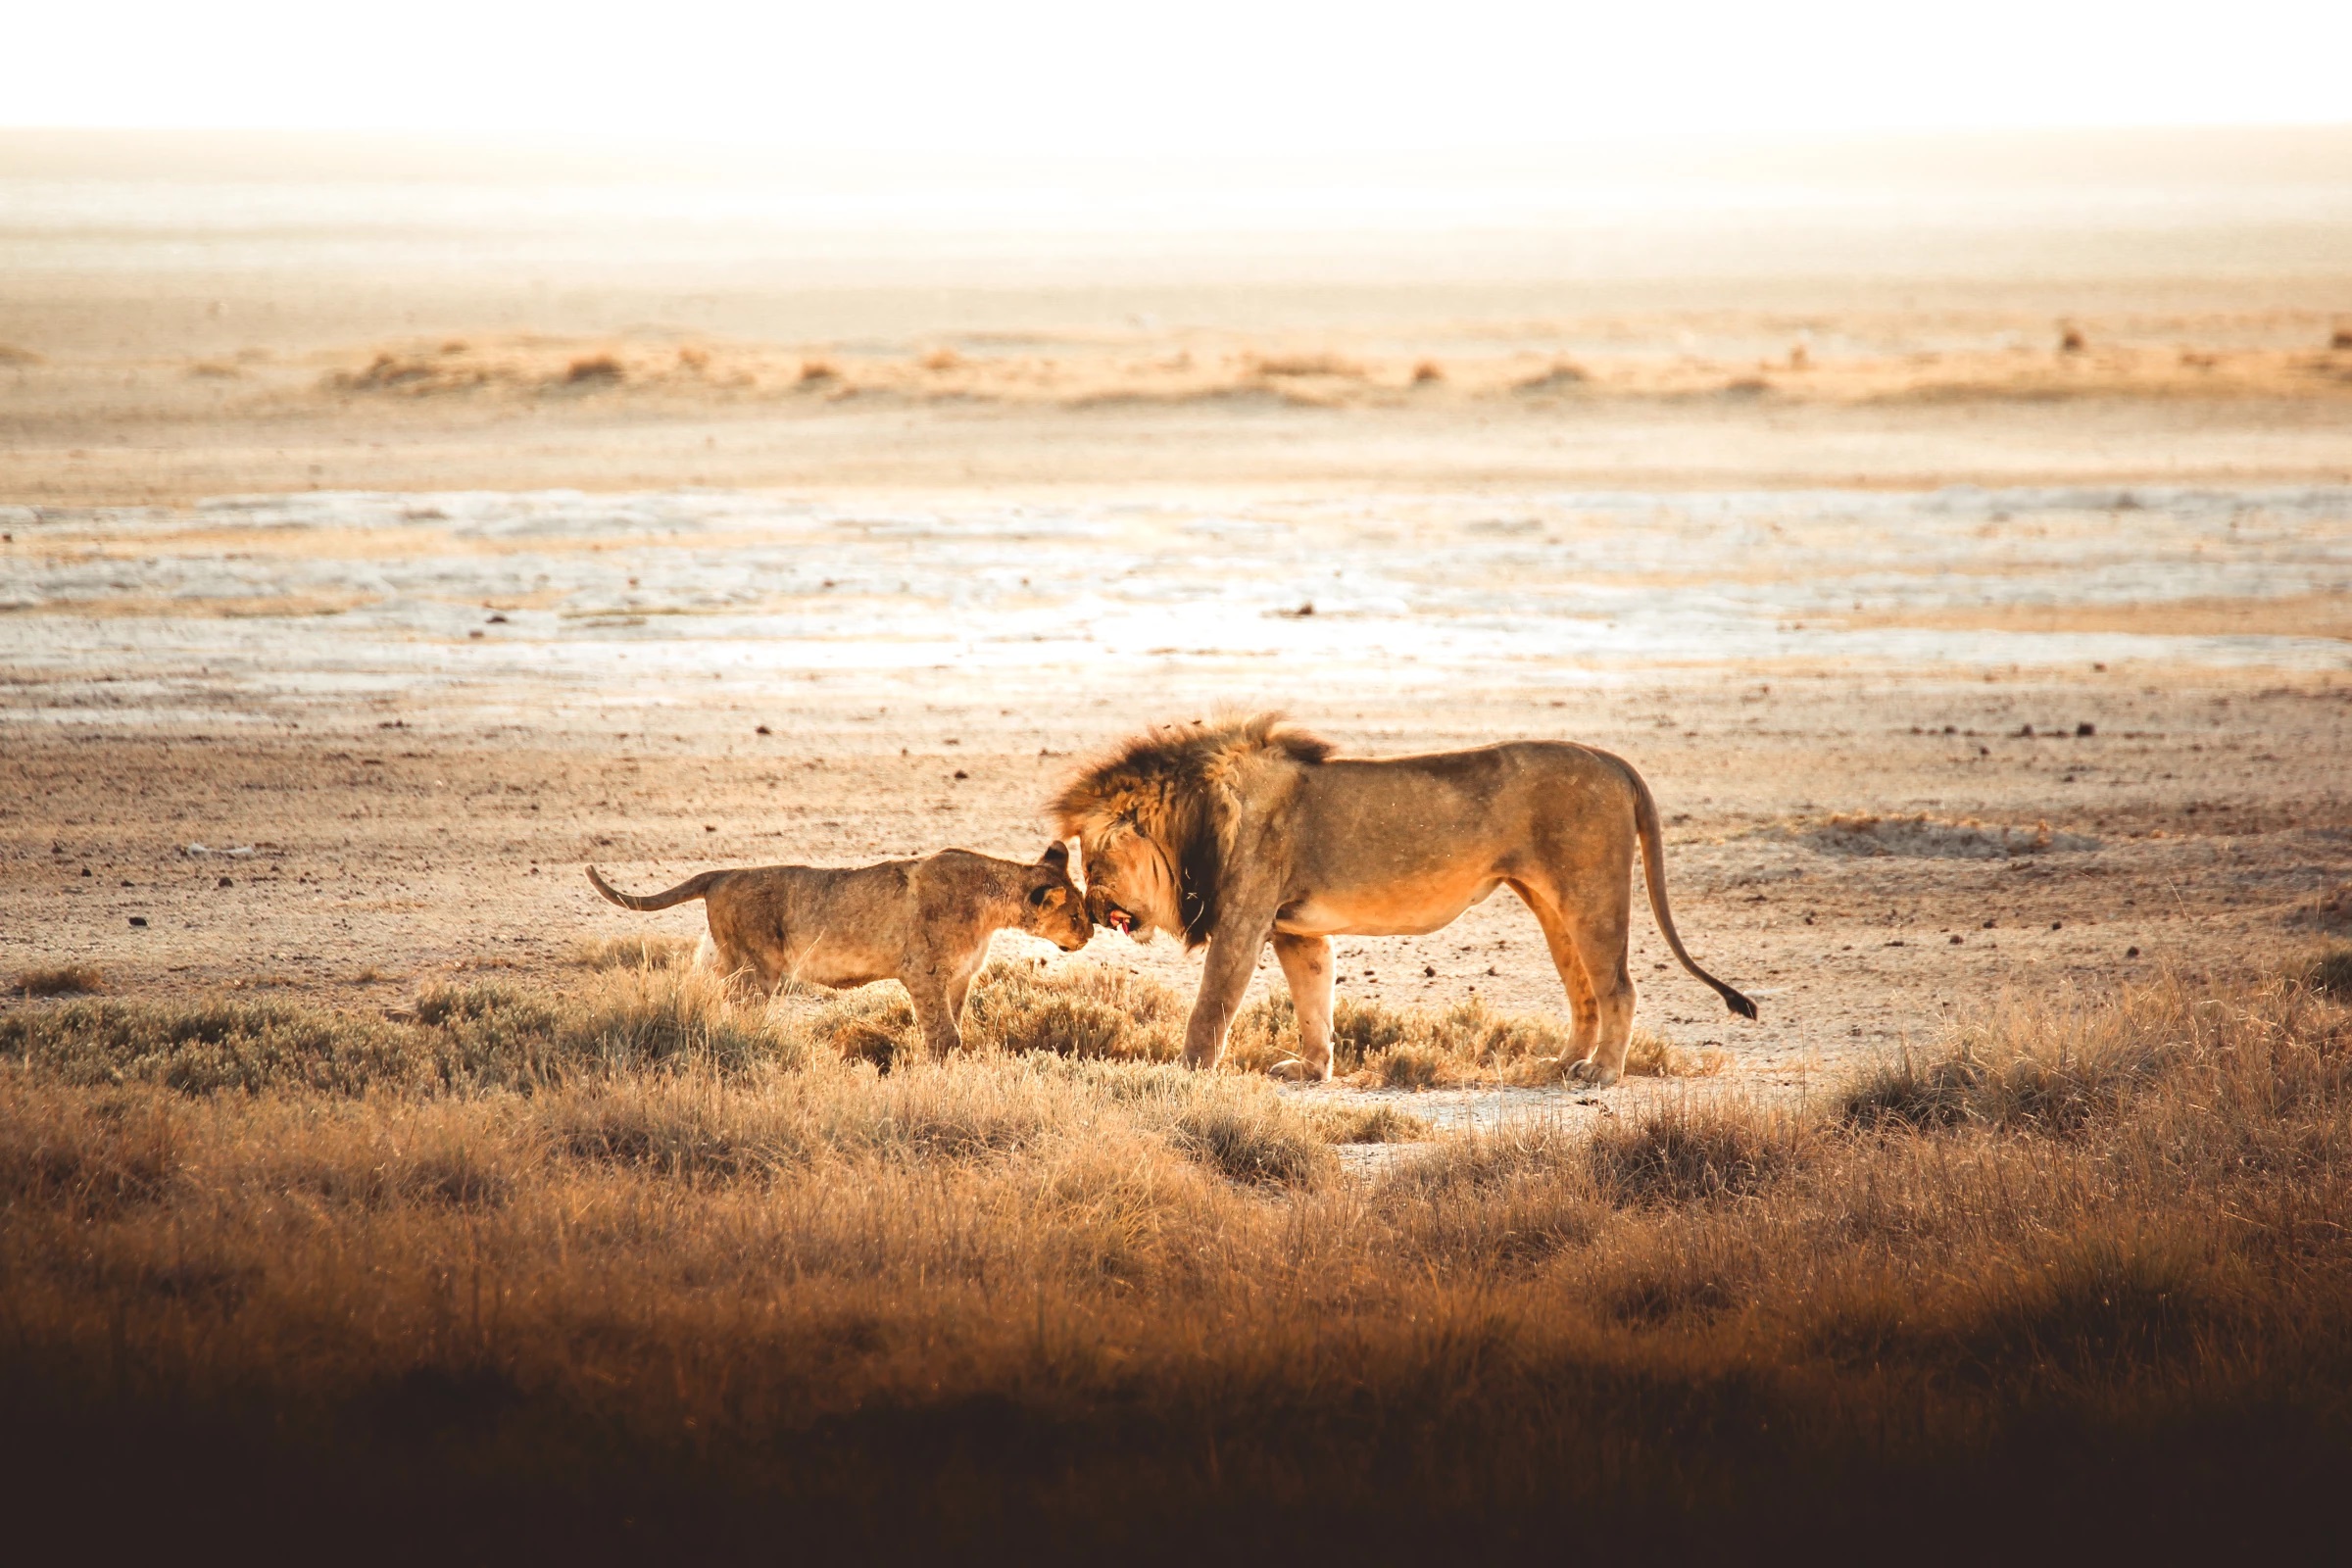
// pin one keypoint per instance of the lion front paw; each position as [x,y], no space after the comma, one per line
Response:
[1590,1073]
[1291,1070]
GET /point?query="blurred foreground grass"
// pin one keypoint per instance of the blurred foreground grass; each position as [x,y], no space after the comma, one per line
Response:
[638,1270]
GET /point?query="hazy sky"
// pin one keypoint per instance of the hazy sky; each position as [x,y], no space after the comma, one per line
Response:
[1207,75]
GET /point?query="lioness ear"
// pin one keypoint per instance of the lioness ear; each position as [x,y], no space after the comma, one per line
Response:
[1057,856]
[1043,893]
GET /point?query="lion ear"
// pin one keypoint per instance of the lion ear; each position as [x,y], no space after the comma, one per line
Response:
[1057,856]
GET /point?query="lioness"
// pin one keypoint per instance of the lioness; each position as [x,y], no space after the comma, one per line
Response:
[1247,830]
[925,923]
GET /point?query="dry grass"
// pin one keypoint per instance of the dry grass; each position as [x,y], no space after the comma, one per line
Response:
[1378,1047]
[595,369]
[2331,973]
[61,980]
[1105,1012]
[2330,911]
[640,1271]
[632,953]
[1207,367]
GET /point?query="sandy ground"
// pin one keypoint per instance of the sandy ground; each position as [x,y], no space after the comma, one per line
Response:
[329,746]
[352,597]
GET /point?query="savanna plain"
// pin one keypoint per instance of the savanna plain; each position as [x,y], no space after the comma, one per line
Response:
[1961,547]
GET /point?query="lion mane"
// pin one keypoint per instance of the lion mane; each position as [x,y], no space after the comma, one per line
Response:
[1177,785]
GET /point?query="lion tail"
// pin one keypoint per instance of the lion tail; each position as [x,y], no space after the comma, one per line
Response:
[1653,866]
[694,887]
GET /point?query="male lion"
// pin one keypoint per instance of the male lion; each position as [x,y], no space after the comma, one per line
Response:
[925,923]
[1246,830]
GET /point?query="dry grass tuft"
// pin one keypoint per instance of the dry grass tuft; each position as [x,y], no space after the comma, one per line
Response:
[2017,1067]
[1280,366]
[1561,375]
[1367,1124]
[1693,1152]
[2331,974]
[1084,1010]
[594,370]
[632,953]
[65,980]
[2330,911]
[1255,1139]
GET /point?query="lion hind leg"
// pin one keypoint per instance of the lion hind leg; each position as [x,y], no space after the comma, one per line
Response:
[1603,947]
[1307,966]
[1590,954]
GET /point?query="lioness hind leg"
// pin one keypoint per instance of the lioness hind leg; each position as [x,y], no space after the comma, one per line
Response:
[743,977]
[1307,966]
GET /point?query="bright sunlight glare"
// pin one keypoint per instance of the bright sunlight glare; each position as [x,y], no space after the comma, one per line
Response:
[1213,76]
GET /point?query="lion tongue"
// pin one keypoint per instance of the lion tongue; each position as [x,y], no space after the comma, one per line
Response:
[1119,920]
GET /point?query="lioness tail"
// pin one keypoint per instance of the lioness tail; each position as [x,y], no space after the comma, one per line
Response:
[694,887]
[1653,866]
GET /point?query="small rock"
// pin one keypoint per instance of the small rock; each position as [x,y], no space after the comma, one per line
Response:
[139,919]
[1955,939]
[1430,969]
[2130,953]
[961,773]
[226,882]
[763,731]
[2087,729]
[710,827]
[2057,925]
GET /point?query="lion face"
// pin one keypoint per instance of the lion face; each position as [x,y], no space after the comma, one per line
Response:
[1053,908]
[1128,884]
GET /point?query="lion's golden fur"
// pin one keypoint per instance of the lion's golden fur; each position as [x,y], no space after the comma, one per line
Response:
[1246,832]
[1178,785]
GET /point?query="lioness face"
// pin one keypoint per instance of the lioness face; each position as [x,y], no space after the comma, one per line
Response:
[1053,908]
[1128,887]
